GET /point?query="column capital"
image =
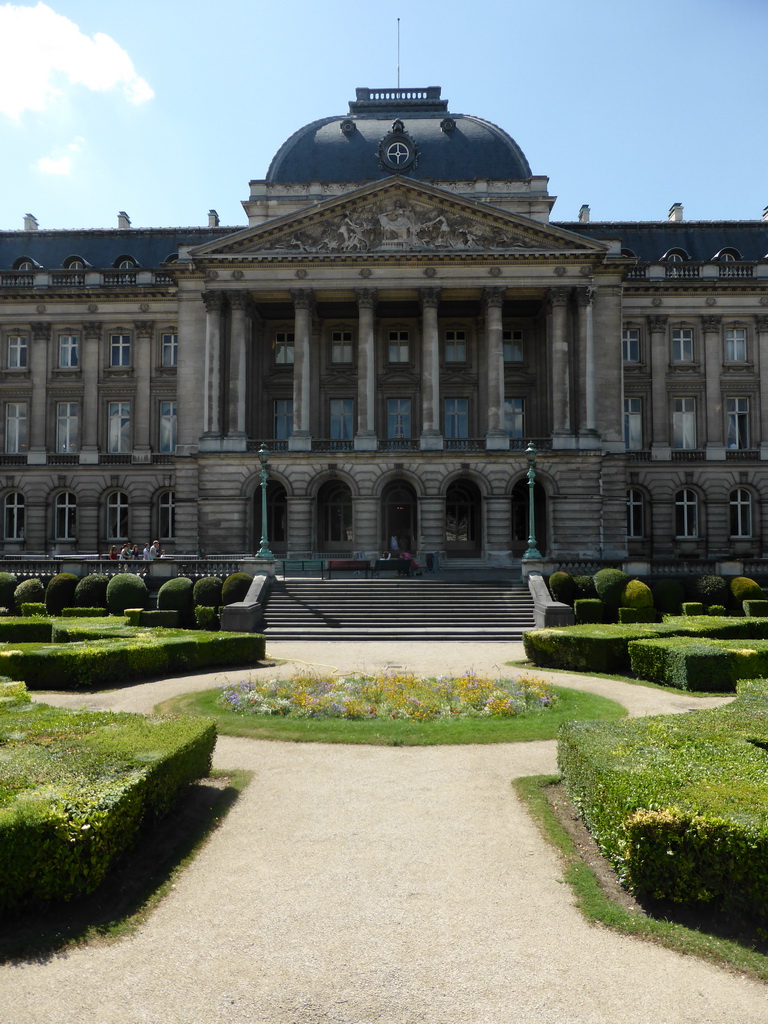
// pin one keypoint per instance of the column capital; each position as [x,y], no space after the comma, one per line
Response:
[657,324]
[429,298]
[710,324]
[366,297]
[493,298]
[586,296]
[761,323]
[238,300]
[558,296]
[41,331]
[213,301]
[92,328]
[303,298]
[144,328]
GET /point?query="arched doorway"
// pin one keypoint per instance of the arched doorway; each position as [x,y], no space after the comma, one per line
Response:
[520,532]
[463,531]
[334,517]
[277,518]
[399,516]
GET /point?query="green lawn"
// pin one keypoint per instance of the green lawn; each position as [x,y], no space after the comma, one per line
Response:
[541,725]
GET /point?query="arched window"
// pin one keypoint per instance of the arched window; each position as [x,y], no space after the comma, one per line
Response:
[334,516]
[14,516]
[65,516]
[686,513]
[166,515]
[462,519]
[635,513]
[117,516]
[741,512]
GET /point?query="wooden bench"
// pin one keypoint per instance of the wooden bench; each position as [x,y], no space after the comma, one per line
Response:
[400,566]
[348,565]
[304,565]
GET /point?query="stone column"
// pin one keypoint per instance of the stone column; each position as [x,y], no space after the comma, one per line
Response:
[711,330]
[432,525]
[659,359]
[89,452]
[299,526]
[496,436]
[431,438]
[238,332]
[366,534]
[498,529]
[365,438]
[38,368]
[761,361]
[301,439]
[214,303]
[586,297]
[560,372]
[142,365]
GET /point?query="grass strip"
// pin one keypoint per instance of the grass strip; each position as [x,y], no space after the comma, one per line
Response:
[571,705]
[599,908]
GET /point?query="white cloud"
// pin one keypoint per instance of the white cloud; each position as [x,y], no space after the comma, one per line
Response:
[59,163]
[40,51]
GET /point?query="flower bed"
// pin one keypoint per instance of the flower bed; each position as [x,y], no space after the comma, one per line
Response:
[389,696]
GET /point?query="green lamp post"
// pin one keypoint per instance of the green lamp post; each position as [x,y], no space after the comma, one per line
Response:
[532,551]
[264,551]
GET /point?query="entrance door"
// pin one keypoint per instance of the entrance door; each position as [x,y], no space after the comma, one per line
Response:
[462,521]
[520,533]
[398,517]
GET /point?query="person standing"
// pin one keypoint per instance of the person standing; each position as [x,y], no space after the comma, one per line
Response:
[154,550]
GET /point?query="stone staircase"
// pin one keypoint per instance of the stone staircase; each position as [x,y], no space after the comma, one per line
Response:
[408,609]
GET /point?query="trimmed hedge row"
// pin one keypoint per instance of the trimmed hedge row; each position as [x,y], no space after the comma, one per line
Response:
[104,776]
[679,803]
[698,664]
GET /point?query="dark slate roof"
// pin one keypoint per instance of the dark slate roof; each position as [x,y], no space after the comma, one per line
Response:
[149,247]
[472,148]
[701,240]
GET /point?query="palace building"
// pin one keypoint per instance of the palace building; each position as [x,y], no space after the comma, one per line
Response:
[397,320]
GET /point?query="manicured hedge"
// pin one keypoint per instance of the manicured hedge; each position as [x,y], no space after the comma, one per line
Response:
[698,664]
[17,629]
[60,592]
[71,805]
[588,609]
[91,591]
[126,590]
[679,803]
[176,595]
[83,613]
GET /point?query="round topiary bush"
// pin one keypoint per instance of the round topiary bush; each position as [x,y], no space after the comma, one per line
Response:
[207,591]
[710,590]
[91,591]
[585,587]
[235,587]
[562,588]
[744,589]
[125,590]
[176,596]
[28,592]
[8,584]
[636,594]
[60,592]
[609,584]
[668,596]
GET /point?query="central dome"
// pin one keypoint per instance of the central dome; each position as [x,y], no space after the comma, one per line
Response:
[399,131]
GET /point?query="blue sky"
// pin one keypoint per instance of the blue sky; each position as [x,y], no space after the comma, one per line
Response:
[167,108]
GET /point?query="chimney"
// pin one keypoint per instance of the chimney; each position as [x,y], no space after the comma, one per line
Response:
[676,212]
[584,214]
[123,220]
[30,222]
[213,219]
[765,213]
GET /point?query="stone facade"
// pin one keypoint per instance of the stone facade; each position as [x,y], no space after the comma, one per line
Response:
[397,341]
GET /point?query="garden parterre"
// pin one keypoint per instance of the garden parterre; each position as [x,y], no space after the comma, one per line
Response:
[393,696]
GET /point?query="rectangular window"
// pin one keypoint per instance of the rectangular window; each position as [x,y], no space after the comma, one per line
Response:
[68,351]
[15,428]
[737,422]
[398,418]
[67,427]
[456,412]
[736,345]
[167,439]
[119,427]
[169,349]
[512,342]
[514,416]
[119,350]
[630,345]
[633,423]
[684,423]
[18,352]
[398,350]
[14,519]
[283,416]
[341,347]
[342,418]
[682,345]
[284,349]
[635,514]
[455,347]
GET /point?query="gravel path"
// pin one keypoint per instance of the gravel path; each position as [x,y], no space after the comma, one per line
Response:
[377,885]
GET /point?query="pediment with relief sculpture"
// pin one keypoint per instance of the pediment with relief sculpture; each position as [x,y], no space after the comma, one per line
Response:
[398,216]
